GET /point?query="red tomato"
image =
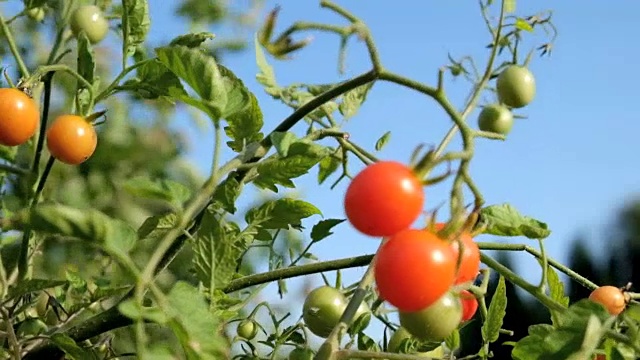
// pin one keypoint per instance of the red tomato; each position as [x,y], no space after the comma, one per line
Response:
[470,264]
[384,198]
[413,269]
[469,305]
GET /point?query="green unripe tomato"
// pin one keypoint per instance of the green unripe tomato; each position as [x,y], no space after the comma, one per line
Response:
[323,309]
[31,327]
[89,18]
[247,329]
[301,354]
[516,86]
[436,322]
[36,14]
[495,118]
[41,304]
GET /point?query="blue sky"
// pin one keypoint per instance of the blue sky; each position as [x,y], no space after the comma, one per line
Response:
[572,163]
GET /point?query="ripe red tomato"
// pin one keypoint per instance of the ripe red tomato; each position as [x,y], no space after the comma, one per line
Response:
[469,305]
[470,264]
[71,139]
[384,198]
[19,117]
[610,297]
[413,269]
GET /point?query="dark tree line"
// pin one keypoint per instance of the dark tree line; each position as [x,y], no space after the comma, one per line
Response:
[617,265]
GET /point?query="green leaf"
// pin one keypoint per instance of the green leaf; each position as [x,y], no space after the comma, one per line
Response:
[164,190]
[523,24]
[496,312]
[239,98]
[86,68]
[328,166]
[243,127]
[154,227]
[194,325]
[505,220]
[453,340]
[556,291]
[282,141]
[266,76]
[352,100]
[131,309]
[322,229]
[279,171]
[192,40]
[32,285]
[135,25]
[384,139]
[69,346]
[201,72]
[226,194]
[216,252]
[112,235]
[281,213]
[154,80]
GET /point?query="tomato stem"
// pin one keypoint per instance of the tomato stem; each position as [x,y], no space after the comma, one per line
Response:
[13,47]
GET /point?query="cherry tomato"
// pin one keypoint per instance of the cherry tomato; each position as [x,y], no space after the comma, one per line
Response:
[300,353]
[495,118]
[71,139]
[247,329]
[469,305]
[384,198]
[397,339]
[470,263]
[36,14]
[89,18]
[19,117]
[516,86]
[436,322]
[610,297]
[322,310]
[413,269]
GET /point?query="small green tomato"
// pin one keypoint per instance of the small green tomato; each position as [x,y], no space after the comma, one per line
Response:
[89,18]
[247,329]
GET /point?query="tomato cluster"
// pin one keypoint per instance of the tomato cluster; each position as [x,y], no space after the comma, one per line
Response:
[516,88]
[415,270]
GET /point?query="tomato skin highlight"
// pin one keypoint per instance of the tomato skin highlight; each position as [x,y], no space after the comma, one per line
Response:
[610,297]
[19,117]
[413,269]
[469,305]
[470,263]
[384,198]
[71,139]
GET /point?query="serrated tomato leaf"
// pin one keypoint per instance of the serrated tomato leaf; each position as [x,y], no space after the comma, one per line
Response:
[192,40]
[281,213]
[496,312]
[505,220]
[322,229]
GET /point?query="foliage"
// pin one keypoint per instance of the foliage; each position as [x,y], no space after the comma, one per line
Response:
[129,252]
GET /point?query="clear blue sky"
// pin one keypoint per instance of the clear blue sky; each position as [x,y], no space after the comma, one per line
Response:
[571,163]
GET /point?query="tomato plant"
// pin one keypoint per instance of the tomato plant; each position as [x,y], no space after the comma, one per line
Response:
[470,262]
[19,117]
[516,86]
[323,307]
[384,198]
[71,139]
[469,305]
[495,118]
[611,297]
[435,322]
[90,20]
[413,269]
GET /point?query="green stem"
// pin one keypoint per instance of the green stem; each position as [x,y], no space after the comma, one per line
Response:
[13,169]
[521,247]
[106,92]
[13,47]
[515,279]
[35,166]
